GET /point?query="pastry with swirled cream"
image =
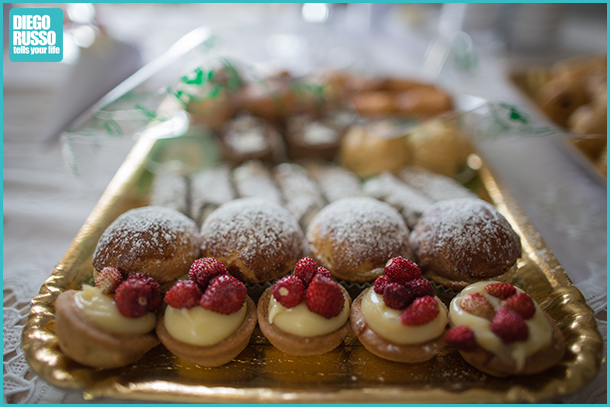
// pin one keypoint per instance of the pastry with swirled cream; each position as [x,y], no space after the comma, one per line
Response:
[209,318]
[499,329]
[110,324]
[305,313]
[400,318]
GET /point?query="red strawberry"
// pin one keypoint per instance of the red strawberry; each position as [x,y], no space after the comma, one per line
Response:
[380,284]
[225,294]
[305,270]
[397,296]
[401,270]
[289,291]
[134,298]
[500,290]
[477,305]
[462,338]
[108,280]
[324,272]
[203,270]
[509,326]
[522,304]
[156,298]
[324,297]
[184,294]
[420,312]
[420,287]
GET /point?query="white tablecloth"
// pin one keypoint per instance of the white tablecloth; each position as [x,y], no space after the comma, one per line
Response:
[45,204]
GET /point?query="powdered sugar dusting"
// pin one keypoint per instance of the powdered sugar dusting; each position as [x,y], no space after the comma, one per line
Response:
[253,227]
[335,182]
[467,231]
[408,201]
[436,186]
[169,189]
[153,230]
[253,180]
[210,188]
[365,227]
[301,194]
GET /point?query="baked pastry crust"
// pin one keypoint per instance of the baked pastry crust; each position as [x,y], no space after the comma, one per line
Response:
[293,344]
[385,349]
[545,358]
[461,241]
[355,237]
[81,340]
[213,355]
[256,239]
[153,240]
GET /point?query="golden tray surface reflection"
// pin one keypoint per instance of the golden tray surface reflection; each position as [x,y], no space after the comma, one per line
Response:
[349,374]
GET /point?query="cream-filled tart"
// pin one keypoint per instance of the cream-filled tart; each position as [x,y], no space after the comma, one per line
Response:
[499,329]
[305,313]
[111,324]
[400,318]
[209,318]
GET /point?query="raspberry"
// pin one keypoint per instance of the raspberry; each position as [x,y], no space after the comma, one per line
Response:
[203,270]
[108,280]
[156,298]
[184,294]
[420,312]
[305,270]
[324,272]
[500,290]
[380,284]
[289,291]
[522,304]
[476,304]
[134,298]
[397,296]
[401,270]
[225,295]
[420,287]
[324,297]
[462,338]
[509,326]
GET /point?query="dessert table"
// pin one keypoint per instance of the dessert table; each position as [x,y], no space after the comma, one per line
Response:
[46,203]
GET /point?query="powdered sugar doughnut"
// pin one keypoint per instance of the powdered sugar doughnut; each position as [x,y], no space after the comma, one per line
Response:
[355,237]
[256,239]
[153,240]
[460,241]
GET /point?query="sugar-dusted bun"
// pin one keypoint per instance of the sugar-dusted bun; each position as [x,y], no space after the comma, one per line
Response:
[83,341]
[386,349]
[542,347]
[153,240]
[293,344]
[355,237]
[461,241]
[212,355]
[256,239]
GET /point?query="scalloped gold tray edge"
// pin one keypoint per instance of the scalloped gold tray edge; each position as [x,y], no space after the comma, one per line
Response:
[566,305]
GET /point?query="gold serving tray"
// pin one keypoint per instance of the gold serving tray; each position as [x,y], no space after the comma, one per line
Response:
[262,374]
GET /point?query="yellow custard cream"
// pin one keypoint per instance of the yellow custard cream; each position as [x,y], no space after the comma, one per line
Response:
[385,321]
[539,329]
[300,321]
[101,310]
[201,327]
